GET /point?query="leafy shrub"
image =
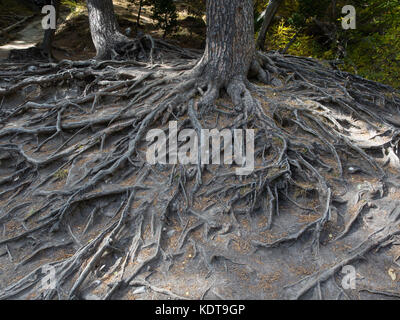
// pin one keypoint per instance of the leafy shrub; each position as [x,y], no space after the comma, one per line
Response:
[75,6]
[164,12]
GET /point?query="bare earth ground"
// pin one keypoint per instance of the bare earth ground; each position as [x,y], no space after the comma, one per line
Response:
[73,40]
[201,245]
[26,38]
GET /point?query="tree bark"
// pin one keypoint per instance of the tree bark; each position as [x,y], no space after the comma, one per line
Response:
[230,47]
[48,37]
[230,55]
[272,8]
[103,27]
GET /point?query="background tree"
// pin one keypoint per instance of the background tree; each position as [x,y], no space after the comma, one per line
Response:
[141,3]
[76,188]
[230,49]
[313,28]
[48,37]
[270,12]
[104,27]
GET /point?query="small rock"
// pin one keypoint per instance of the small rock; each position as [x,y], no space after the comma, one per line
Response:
[139,290]
[90,296]
[170,233]
[276,82]
[353,170]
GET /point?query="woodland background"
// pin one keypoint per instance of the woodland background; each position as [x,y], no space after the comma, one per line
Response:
[312,27]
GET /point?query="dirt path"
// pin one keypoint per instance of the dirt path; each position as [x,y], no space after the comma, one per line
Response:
[73,39]
[26,38]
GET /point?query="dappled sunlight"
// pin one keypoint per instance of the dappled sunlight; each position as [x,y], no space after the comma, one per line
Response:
[27,38]
[119,164]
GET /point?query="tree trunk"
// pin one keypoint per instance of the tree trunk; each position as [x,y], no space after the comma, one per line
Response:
[272,8]
[47,42]
[103,27]
[230,48]
[139,13]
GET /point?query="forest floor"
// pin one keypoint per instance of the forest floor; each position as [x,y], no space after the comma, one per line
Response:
[76,193]
[73,40]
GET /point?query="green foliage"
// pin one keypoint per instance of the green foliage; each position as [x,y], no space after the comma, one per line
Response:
[282,33]
[372,50]
[164,12]
[76,6]
[312,8]
[61,174]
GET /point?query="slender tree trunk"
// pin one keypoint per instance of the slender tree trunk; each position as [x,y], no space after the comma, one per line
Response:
[139,13]
[48,37]
[230,48]
[103,27]
[333,13]
[272,8]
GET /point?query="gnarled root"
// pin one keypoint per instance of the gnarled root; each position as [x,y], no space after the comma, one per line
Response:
[78,163]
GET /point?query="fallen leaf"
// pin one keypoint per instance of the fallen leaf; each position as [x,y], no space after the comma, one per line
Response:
[392,274]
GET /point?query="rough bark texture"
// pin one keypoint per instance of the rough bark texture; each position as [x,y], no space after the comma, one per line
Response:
[230,56]
[272,8]
[103,27]
[78,195]
[230,47]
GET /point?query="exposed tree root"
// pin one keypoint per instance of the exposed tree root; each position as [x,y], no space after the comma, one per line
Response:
[76,158]
[298,289]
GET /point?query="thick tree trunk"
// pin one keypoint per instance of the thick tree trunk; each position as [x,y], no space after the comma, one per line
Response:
[230,56]
[230,48]
[103,27]
[272,8]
